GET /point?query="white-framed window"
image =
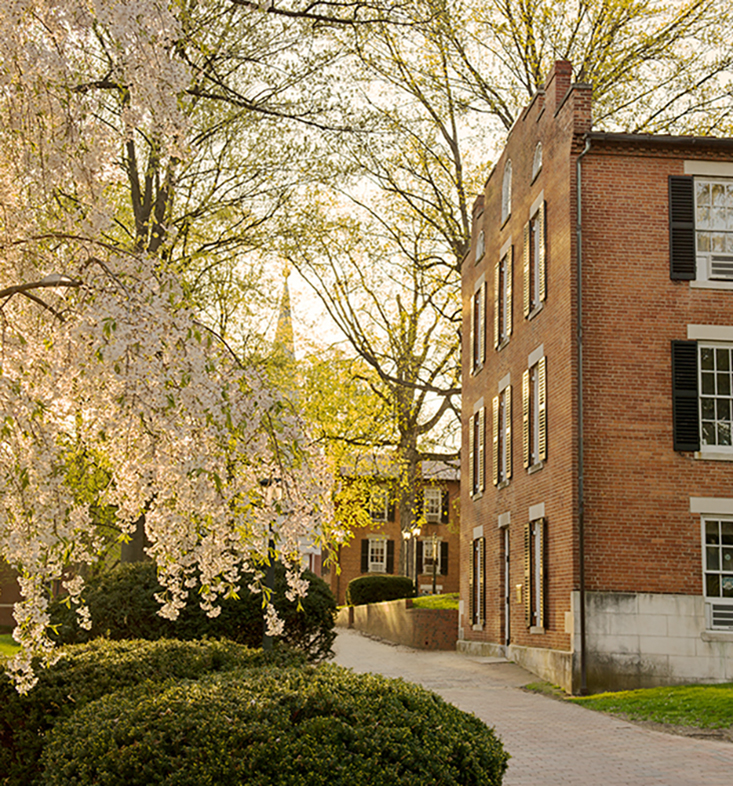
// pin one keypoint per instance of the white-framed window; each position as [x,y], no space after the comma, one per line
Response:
[534,574]
[379,505]
[477,583]
[701,225]
[503,275]
[506,192]
[502,435]
[534,262]
[476,451]
[715,386]
[718,569]
[480,246]
[377,555]
[534,412]
[433,554]
[478,326]
[433,504]
[714,228]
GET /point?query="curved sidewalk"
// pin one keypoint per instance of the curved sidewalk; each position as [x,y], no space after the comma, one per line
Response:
[552,743]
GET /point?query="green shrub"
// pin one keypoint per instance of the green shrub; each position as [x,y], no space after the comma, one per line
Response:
[123,606]
[373,589]
[313,726]
[87,672]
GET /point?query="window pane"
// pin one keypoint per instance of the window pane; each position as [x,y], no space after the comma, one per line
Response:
[724,384]
[708,384]
[712,558]
[723,433]
[703,241]
[718,194]
[708,433]
[726,583]
[723,406]
[707,358]
[707,408]
[726,528]
[722,359]
[712,585]
[712,535]
[703,193]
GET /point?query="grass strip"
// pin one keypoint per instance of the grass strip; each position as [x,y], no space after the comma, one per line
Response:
[449,601]
[8,646]
[702,706]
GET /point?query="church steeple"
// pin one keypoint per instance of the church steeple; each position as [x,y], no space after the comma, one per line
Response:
[284,342]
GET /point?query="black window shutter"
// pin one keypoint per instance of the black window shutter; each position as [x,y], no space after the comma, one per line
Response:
[681,228]
[444,508]
[443,558]
[685,420]
[419,557]
[390,556]
[365,555]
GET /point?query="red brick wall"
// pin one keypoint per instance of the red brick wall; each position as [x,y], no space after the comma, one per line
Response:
[641,535]
[554,328]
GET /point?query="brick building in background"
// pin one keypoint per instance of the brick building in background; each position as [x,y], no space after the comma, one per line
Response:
[433,554]
[597,507]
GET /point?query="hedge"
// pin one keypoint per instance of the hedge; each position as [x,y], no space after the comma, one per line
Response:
[312,726]
[373,589]
[123,606]
[86,672]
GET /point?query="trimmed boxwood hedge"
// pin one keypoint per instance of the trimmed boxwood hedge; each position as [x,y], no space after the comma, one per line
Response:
[87,672]
[312,726]
[123,606]
[374,589]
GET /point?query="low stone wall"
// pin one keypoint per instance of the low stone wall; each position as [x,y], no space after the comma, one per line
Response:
[401,622]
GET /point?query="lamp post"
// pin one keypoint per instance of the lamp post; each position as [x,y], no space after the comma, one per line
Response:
[411,535]
[273,497]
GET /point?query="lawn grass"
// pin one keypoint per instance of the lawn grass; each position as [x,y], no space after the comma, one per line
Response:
[702,706]
[8,647]
[449,601]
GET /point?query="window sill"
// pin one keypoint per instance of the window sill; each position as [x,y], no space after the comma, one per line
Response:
[717,635]
[504,341]
[712,455]
[536,310]
[477,495]
[535,467]
[535,630]
[711,285]
[476,369]
[502,485]
[480,626]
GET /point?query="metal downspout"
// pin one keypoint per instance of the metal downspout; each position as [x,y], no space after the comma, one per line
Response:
[581,490]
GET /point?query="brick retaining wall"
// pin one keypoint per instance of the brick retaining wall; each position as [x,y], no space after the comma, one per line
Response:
[399,621]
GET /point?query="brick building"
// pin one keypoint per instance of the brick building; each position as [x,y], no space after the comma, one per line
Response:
[597,511]
[432,555]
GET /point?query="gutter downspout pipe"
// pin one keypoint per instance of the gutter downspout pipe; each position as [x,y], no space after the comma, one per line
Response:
[581,490]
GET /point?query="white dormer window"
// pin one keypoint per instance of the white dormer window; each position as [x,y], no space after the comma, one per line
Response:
[537,160]
[480,246]
[506,192]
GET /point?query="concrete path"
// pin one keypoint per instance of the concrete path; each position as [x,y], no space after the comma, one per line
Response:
[552,743]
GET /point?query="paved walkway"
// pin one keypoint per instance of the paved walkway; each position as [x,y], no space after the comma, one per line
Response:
[552,743]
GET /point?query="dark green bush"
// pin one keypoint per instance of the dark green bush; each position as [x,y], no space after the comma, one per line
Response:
[123,606]
[313,726]
[373,589]
[87,672]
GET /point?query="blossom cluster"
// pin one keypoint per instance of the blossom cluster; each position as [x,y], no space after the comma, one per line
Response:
[113,396]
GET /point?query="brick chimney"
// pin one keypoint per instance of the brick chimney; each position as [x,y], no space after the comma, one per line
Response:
[558,83]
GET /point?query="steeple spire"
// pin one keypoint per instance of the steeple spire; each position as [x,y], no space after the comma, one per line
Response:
[284,342]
